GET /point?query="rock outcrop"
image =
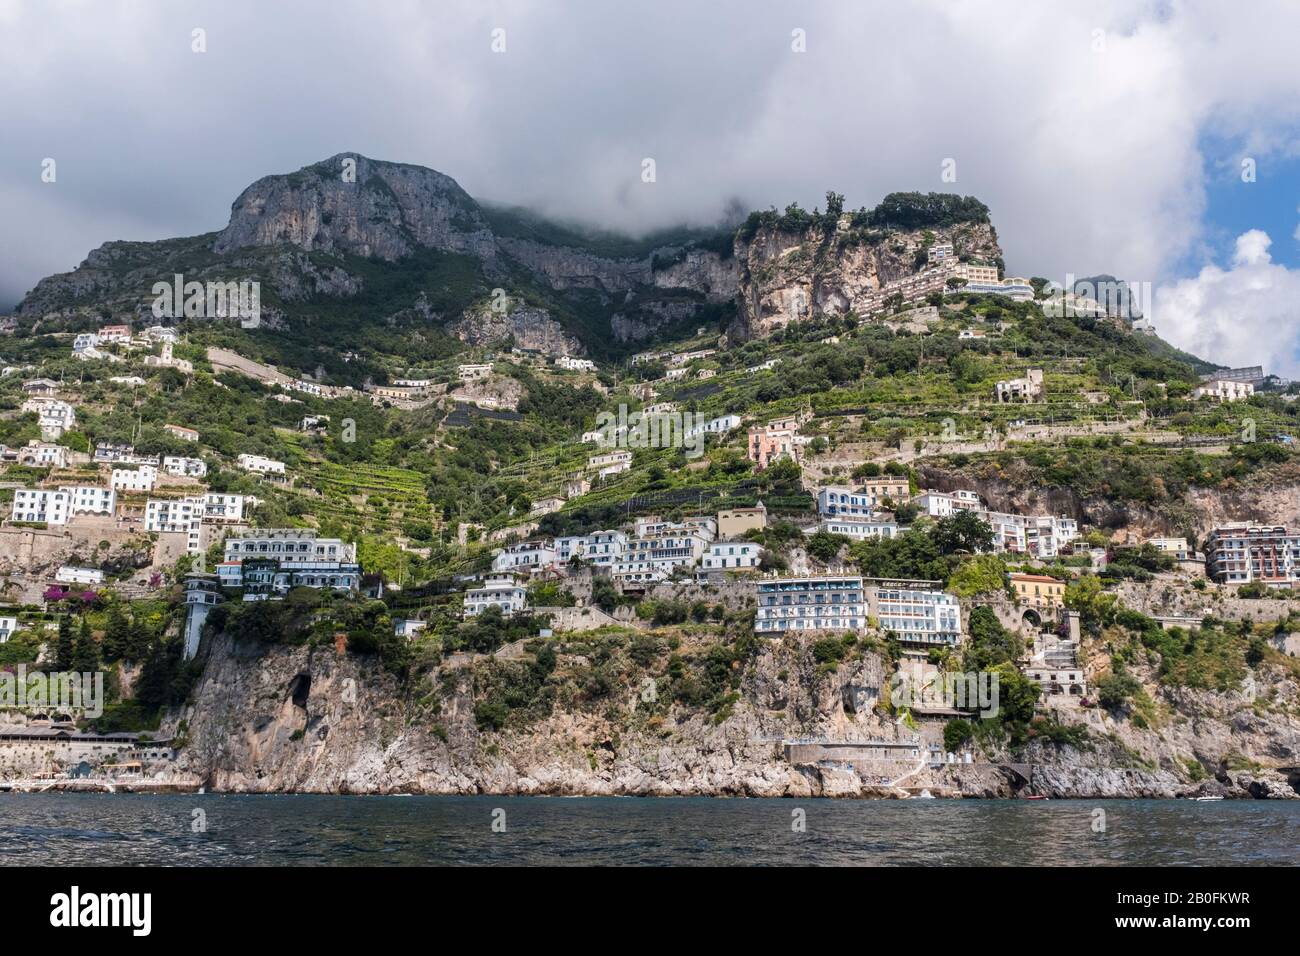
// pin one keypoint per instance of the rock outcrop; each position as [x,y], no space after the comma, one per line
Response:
[528,327]
[352,204]
[321,720]
[790,274]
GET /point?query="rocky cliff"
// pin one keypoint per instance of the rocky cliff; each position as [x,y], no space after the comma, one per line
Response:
[322,720]
[350,226]
[352,204]
[834,266]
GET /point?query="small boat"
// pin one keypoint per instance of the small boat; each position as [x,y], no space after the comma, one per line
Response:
[1035,796]
[925,795]
[1208,798]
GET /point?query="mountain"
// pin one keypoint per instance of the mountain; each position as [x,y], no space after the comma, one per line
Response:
[382,239]
[392,242]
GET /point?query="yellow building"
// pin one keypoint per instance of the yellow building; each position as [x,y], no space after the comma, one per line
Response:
[1038,590]
[734,522]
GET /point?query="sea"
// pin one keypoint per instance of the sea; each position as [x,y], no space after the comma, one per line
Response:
[65,829]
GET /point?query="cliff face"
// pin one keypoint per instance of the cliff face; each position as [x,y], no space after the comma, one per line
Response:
[320,720]
[1272,497]
[785,275]
[380,210]
[529,328]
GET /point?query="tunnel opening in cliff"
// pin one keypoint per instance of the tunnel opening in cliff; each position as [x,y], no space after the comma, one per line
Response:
[300,689]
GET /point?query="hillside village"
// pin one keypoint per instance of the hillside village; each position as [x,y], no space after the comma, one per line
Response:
[793,498]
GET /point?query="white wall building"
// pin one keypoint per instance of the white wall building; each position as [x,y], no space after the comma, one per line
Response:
[1223,390]
[71,575]
[842,502]
[831,603]
[859,529]
[184,467]
[134,480]
[260,464]
[54,416]
[525,556]
[941,504]
[731,555]
[49,505]
[498,590]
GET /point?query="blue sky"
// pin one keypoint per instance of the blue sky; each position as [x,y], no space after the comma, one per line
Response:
[1233,206]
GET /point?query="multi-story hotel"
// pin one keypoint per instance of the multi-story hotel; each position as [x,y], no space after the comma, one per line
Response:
[941,504]
[526,556]
[1243,554]
[270,561]
[916,612]
[831,603]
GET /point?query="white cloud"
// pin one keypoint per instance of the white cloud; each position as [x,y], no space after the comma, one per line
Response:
[1248,314]
[1089,158]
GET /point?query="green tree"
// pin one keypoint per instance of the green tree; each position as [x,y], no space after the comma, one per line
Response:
[990,643]
[85,652]
[982,574]
[963,532]
[63,646]
[117,634]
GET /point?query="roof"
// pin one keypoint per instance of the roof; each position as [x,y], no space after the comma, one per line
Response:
[1037,577]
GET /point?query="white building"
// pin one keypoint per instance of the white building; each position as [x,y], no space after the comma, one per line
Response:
[715,426]
[526,556]
[184,467]
[408,627]
[107,452]
[916,612]
[181,432]
[54,416]
[260,464]
[662,551]
[90,500]
[731,555]
[603,549]
[71,575]
[8,626]
[470,372]
[42,454]
[40,504]
[134,480]
[1223,390]
[833,603]
[56,506]
[839,501]
[268,562]
[620,457]
[84,341]
[941,504]
[1026,389]
[858,529]
[498,590]
[161,333]
[575,364]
